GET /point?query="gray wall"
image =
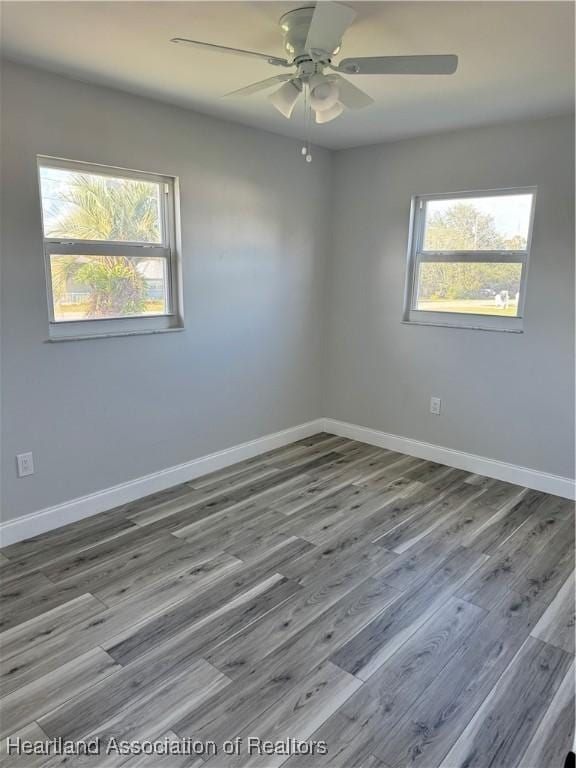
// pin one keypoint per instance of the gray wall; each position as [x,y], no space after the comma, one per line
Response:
[100,412]
[283,323]
[505,396]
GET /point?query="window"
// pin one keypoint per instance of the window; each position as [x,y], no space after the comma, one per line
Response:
[468,258]
[109,249]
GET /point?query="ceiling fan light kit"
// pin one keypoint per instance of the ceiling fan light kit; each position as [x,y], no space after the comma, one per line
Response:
[323,93]
[285,98]
[326,115]
[312,36]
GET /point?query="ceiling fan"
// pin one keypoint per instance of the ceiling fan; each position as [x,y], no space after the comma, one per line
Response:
[312,37]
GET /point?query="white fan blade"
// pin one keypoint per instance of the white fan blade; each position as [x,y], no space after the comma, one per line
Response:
[285,98]
[329,22]
[234,51]
[329,114]
[261,85]
[351,96]
[399,65]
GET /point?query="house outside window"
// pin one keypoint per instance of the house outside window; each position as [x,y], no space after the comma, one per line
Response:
[110,249]
[468,259]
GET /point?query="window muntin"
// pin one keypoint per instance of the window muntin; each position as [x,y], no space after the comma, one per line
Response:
[468,258]
[109,245]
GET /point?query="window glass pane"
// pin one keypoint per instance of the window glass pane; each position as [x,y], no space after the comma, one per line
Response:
[498,223]
[88,206]
[96,287]
[469,287]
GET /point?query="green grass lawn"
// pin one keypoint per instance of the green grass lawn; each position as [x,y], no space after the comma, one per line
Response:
[468,306]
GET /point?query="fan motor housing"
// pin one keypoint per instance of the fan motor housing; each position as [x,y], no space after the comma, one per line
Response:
[295,25]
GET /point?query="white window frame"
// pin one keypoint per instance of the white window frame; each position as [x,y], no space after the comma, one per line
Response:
[168,249]
[417,255]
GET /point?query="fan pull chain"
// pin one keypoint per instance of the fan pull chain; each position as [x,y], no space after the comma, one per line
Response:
[307,148]
[304,149]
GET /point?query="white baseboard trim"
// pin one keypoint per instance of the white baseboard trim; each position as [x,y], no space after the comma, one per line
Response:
[47,519]
[500,470]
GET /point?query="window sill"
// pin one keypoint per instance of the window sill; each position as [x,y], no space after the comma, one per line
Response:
[113,334]
[463,326]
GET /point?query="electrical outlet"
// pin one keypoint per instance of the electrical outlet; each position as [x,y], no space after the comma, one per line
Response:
[435,405]
[25,463]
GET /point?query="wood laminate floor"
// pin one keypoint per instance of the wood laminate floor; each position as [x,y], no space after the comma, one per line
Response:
[401,612]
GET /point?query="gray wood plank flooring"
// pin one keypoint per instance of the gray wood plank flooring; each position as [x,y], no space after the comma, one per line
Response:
[401,612]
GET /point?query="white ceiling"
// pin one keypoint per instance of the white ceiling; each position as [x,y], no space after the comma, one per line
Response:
[516,59]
